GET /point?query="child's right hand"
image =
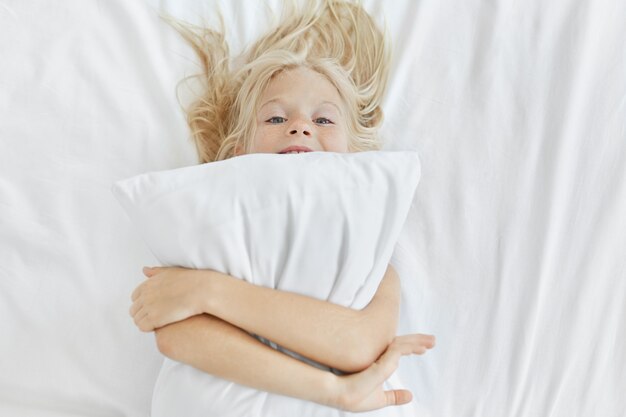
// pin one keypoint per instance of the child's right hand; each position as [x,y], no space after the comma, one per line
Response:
[363,391]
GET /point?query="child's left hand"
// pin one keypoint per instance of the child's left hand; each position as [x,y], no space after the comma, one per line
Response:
[364,391]
[169,295]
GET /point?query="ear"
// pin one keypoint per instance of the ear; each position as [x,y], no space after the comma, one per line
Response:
[239,149]
[149,272]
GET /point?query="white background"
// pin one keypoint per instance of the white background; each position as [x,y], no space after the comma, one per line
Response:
[513,254]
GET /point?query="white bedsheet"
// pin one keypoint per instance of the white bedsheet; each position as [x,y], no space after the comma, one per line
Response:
[513,254]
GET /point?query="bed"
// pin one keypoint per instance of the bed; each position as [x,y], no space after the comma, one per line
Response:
[513,253]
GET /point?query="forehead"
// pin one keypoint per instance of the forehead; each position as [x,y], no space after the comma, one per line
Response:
[303,82]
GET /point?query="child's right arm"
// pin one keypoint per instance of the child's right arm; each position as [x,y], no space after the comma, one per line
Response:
[340,337]
[223,350]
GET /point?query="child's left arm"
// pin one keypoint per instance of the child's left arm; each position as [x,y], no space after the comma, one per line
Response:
[337,336]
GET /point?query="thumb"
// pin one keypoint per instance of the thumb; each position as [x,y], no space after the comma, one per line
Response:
[398,397]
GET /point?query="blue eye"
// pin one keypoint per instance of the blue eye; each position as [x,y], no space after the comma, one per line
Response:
[276,120]
[323,121]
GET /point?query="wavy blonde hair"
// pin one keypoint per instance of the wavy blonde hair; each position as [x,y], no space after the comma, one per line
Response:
[336,38]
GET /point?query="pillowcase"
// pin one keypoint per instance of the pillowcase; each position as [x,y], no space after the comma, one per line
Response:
[321,224]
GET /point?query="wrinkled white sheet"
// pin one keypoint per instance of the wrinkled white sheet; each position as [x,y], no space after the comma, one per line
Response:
[513,254]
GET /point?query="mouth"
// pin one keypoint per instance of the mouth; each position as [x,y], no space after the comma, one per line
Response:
[295,149]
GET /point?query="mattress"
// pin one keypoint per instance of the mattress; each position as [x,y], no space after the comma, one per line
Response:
[512,254]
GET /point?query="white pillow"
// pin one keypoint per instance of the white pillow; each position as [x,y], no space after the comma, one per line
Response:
[322,224]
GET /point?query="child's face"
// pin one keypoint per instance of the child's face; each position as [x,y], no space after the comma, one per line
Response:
[300,107]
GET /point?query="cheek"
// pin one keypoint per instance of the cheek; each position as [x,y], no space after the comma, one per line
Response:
[264,139]
[336,141]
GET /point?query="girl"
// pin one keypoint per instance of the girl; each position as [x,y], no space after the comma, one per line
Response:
[314,83]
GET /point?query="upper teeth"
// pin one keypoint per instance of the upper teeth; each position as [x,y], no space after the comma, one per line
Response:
[295,152]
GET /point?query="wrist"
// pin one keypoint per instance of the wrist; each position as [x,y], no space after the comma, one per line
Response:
[207,290]
[330,390]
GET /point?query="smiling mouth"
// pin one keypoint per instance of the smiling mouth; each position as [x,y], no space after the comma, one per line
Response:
[295,149]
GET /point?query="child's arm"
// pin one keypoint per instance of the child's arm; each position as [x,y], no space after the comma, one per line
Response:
[225,351]
[340,337]
[221,349]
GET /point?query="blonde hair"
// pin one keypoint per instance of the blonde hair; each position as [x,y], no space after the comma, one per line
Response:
[337,39]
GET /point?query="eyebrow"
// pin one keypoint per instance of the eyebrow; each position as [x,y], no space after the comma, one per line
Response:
[278,100]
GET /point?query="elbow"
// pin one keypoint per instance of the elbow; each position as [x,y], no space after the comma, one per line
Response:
[363,353]
[356,361]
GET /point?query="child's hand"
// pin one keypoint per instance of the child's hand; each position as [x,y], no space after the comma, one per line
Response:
[169,295]
[363,391]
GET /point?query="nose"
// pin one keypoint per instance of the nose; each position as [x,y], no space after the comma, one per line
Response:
[300,125]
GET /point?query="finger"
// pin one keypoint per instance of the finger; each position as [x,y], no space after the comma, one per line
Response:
[143,322]
[433,341]
[405,345]
[136,293]
[415,347]
[139,314]
[145,326]
[134,309]
[388,362]
[428,340]
[398,397]
[419,342]
[416,338]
